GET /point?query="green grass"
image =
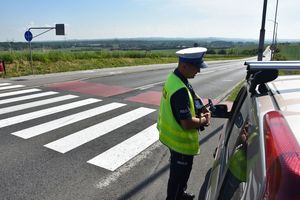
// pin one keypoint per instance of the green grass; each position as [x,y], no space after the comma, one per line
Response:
[286,52]
[290,52]
[235,91]
[18,62]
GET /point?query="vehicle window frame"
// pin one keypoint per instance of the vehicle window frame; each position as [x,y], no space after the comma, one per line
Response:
[239,120]
[237,104]
[240,101]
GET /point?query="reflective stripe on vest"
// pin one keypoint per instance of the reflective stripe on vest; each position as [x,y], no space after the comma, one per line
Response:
[170,132]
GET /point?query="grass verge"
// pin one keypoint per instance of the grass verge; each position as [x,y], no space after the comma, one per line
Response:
[18,63]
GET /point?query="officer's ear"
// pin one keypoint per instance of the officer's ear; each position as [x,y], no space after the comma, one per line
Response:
[185,66]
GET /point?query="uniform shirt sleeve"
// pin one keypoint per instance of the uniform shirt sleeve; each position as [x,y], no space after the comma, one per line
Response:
[180,104]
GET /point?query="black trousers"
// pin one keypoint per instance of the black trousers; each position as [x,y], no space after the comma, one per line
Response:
[180,169]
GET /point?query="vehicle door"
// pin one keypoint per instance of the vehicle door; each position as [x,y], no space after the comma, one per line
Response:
[238,114]
[237,125]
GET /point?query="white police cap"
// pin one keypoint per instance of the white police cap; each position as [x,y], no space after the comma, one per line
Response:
[193,55]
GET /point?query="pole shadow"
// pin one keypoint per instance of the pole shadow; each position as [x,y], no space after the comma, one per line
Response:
[210,135]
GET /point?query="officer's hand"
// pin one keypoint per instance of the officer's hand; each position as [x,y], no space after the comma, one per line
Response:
[207,115]
[205,109]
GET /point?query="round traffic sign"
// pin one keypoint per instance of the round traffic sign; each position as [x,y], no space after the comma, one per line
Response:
[28,36]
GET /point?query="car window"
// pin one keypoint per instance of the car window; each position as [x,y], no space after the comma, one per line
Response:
[238,99]
[239,121]
[239,114]
[237,126]
[232,128]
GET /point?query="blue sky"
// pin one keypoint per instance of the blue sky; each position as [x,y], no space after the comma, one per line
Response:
[100,19]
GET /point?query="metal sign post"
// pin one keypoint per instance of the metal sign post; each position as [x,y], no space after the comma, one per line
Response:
[28,36]
[60,30]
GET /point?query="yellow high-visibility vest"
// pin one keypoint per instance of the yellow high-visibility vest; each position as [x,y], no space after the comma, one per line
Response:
[239,164]
[171,133]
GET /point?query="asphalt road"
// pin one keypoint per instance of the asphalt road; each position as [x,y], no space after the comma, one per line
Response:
[91,134]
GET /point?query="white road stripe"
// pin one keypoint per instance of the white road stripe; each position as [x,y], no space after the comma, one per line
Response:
[79,138]
[11,87]
[32,96]
[19,92]
[45,112]
[125,151]
[220,69]
[36,103]
[4,84]
[144,87]
[206,72]
[55,124]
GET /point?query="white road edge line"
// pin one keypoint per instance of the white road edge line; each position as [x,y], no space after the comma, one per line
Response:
[144,87]
[206,72]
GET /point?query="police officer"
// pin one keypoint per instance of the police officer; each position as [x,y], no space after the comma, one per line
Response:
[178,122]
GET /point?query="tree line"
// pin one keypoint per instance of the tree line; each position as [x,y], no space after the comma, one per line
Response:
[214,46]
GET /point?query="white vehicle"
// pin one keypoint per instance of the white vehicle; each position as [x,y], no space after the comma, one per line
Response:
[264,123]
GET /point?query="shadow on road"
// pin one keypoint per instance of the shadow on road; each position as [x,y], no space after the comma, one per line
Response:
[205,183]
[164,169]
[210,135]
[144,183]
[204,186]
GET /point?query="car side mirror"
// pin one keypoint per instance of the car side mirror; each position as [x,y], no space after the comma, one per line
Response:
[220,111]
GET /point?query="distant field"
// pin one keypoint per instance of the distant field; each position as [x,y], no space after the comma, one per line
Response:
[18,62]
[286,52]
[290,52]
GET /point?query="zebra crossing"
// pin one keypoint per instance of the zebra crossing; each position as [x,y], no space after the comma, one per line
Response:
[34,103]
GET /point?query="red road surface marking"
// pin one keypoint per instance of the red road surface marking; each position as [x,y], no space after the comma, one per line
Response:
[150,97]
[153,98]
[205,101]
[97,89]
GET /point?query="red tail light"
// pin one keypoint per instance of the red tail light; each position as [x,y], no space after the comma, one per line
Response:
[282,159]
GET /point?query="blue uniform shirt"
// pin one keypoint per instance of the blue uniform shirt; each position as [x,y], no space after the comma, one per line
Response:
[180,102]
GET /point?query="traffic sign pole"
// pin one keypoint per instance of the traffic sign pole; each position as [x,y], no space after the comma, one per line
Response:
[60,30]
[31,57]
[28,36]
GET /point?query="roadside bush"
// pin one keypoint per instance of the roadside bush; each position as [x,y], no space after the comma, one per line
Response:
[7,57]
[55,56]
[82,55]
[41,57]
[278,56]
[222,52]
[211,51]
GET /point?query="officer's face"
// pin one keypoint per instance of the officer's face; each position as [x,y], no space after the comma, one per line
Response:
[192,70]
